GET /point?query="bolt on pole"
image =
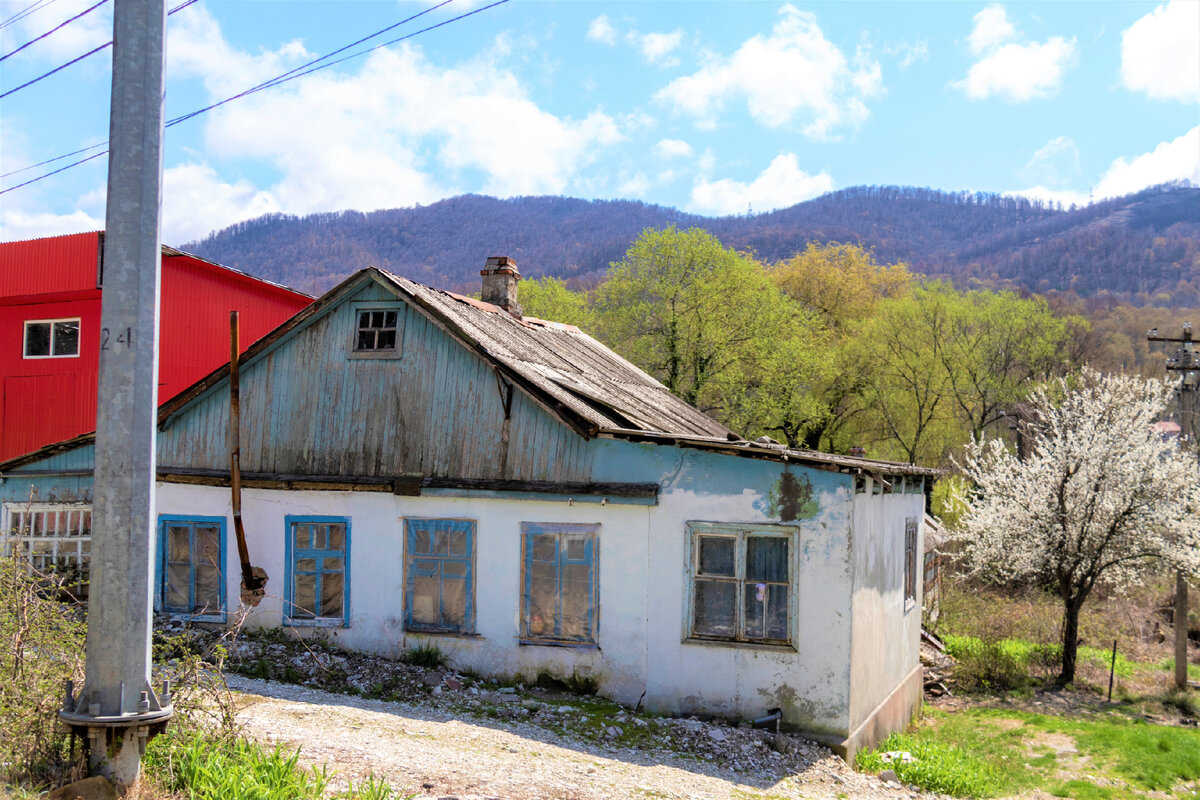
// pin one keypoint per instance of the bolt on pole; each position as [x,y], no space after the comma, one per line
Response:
[117,709]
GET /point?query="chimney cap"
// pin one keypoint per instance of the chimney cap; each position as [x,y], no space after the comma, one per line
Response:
[502,264]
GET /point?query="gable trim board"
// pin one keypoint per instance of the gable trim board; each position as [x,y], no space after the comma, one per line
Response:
[639,489]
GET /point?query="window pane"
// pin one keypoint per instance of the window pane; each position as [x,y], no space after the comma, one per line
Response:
[385,340]
[331,594]
[208,589]
[302,537]
[422,541]
[576,546]
[576,602]
[37,339]
[766,611]
[454,569]
[716,608]
[389,319]
[543,580]
[545,547]
[66,338]
[179,544]
[366,340]
[307,565]
[716,555]
[178,578]
[364,319]
[441,542]
[766,558]
[424,601]
[304,598]
[376,319]
[337,537]
[458,542]
[454,602]
[208,546]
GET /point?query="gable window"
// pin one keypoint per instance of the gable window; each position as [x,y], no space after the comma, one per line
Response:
[317,591]
[52,338]
[910,561]
[742,583]
[439,566]
[559,598]
[53,538]
[191,578]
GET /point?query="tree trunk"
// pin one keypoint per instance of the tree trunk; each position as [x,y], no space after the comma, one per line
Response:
[1070,642]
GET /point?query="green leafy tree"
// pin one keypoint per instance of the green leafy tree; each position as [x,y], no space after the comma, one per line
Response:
[550,299]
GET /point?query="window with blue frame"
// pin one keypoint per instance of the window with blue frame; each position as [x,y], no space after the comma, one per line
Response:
[439,594]
[318,569]
[560,593]
[191,574]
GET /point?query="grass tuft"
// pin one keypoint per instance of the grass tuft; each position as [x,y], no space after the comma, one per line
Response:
[425,654]
[937,767]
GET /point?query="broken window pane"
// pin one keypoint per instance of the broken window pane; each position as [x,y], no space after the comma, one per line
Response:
[66,338]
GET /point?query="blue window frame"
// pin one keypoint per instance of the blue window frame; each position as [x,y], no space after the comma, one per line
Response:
[560,590]
[439,586]
[191,566]
[317,551]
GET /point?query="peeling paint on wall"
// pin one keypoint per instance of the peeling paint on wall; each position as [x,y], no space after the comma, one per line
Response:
[792,498]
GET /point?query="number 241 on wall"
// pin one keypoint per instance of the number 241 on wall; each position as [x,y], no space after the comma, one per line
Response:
[124,338]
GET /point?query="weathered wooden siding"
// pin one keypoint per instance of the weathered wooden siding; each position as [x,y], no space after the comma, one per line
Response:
[309,408]
[45,482]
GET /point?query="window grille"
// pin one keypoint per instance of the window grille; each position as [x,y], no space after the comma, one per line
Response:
[52,538]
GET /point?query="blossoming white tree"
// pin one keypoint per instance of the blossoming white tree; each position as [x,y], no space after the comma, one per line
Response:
[1099,498]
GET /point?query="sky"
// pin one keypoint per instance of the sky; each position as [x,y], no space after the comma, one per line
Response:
[711,107]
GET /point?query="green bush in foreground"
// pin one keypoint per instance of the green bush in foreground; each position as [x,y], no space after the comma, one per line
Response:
[937,767]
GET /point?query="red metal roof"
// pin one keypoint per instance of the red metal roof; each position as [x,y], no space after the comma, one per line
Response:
[53,264]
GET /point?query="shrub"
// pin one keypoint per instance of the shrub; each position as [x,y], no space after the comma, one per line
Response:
[44,646]
[989,665]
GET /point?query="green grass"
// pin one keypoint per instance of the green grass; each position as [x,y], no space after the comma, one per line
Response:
[425,654]
[1026,653]
[995,752]
[204,767]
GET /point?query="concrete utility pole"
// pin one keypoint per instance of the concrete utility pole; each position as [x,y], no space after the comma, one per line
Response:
[117,709]
[1187,361]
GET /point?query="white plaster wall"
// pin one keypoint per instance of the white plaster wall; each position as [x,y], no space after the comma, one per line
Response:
[643,576]
[885,634]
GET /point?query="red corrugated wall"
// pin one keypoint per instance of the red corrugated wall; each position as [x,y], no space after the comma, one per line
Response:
[46,400]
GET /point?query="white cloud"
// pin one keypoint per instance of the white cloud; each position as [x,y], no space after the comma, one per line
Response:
[1065,197]
[1056,163]
[376,132]
[82,35]
[657,47]
[781,184]
[1013,71]
[196,201]
[992,28]
[1160,53]
[17,224]
[601,30]
[1173,160]
[634,186]
[672,148]
[909,52]
[795,72]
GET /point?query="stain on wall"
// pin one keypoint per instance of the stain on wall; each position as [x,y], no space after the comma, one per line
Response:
[792,498]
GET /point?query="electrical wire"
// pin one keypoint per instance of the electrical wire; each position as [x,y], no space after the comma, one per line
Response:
[77,59]
[276,81]
[52,30]
[33,8]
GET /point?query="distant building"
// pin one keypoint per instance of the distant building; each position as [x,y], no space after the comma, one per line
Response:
[425,468]
[50,333]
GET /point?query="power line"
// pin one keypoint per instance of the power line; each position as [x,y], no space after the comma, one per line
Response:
[54,29]
[77,59]
[34,7]
[280,79]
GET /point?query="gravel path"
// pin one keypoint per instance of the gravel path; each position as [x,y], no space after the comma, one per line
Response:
[465,753]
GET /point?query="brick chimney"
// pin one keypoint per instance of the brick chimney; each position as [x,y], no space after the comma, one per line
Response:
[500,278]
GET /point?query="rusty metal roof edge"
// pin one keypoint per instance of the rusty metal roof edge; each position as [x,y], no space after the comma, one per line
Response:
[753,450]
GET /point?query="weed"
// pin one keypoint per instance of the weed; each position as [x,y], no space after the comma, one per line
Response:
[575,683]
[1181,701]
[425,654]
[936,766]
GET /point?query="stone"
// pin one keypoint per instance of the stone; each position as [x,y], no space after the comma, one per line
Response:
[612,731]
[564,709]
[96,788]
[717,735]
[453,684]
[508,690]
[888,776]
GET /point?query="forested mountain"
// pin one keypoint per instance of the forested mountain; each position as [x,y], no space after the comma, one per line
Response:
[1143,248]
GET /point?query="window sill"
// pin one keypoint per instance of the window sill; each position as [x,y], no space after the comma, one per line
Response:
[442,634]
[374,354]
[185,617]
[525,642]
[769,647]
[319,622]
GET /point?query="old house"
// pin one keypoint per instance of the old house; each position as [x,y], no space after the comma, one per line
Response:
[425,467]
[50,333]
